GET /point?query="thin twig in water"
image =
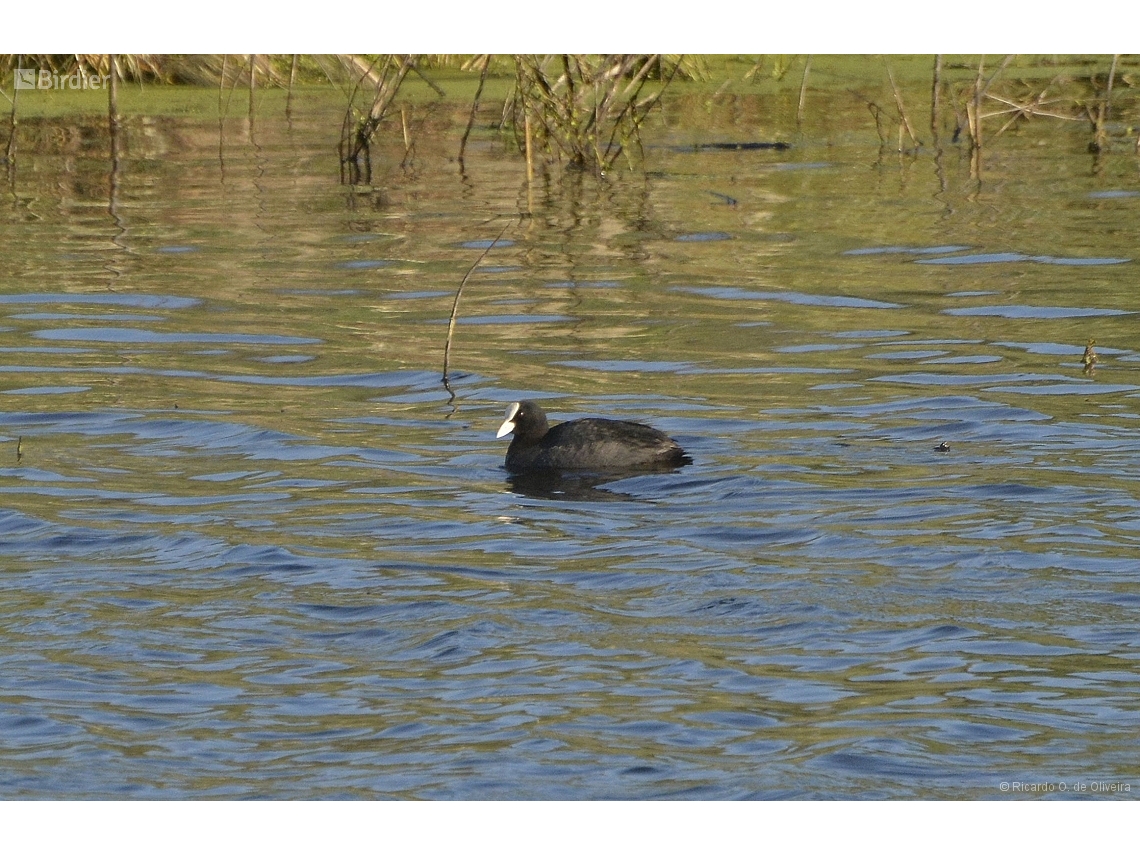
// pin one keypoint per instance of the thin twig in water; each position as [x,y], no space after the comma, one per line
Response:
[455,305]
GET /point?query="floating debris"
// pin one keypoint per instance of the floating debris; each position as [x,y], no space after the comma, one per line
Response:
[724,197]
[1090,359]
[735,146]
[19,448]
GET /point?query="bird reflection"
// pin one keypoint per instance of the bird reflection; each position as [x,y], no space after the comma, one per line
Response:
[568,486]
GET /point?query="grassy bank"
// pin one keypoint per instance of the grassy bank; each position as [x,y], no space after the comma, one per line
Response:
[586,111]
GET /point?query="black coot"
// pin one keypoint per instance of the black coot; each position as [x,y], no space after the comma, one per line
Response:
[594,445]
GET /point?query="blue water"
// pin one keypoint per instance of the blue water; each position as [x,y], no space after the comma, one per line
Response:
[253,547]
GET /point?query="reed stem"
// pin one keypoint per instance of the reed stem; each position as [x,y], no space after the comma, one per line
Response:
[976,115]
[474,107]
[902,111]
[9,158]
[252,83]
[936,98]
[803,92]
[529,137]
[455,306]
[113,94]
[292,81]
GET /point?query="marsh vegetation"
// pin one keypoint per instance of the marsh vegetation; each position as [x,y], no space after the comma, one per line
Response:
[586,111]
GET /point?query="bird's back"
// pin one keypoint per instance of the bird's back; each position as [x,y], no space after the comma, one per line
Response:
[600,445]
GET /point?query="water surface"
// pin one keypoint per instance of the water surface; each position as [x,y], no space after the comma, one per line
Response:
[252,547]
